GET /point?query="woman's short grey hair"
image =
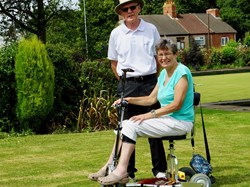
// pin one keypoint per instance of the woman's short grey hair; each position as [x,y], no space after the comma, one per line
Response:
[165,44]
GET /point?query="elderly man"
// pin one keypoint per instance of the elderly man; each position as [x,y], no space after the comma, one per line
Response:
[132,45]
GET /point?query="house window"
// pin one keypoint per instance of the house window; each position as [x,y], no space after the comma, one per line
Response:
[180,43]
[199,40]
[224,41]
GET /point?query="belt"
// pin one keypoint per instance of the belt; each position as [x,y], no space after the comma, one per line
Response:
[141,78]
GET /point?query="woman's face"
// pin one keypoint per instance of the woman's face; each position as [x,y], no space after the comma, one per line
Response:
[166,58]
[130,11]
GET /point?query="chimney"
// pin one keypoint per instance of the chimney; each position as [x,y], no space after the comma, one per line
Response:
[169,8]
[214,11]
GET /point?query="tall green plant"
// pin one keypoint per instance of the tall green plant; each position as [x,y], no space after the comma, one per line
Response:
[34,83]
[7,87]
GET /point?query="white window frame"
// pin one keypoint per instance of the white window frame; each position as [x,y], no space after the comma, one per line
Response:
[200,40]
[181,43]
[224,40]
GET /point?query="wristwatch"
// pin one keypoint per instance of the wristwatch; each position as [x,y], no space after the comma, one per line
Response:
[153,113]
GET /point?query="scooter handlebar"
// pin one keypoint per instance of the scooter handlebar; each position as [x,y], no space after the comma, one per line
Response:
[124,103]
[127,70]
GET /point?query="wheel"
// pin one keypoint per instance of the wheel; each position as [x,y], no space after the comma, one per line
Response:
[189,172]
[120,185]
[212,178]
[201,179]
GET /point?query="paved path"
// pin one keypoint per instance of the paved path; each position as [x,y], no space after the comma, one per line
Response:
[238,105]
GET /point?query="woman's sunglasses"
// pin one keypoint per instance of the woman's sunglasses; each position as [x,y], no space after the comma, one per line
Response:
[131,8]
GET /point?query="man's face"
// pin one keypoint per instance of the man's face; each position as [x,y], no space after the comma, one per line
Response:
[130,11]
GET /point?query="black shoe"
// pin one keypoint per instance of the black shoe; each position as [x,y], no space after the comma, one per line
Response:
[131,175]
[132,178]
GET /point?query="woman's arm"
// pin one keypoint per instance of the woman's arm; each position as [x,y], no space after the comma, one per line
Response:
[143,100]
[180,91]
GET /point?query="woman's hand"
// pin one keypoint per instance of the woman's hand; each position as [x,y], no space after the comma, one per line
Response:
[118,101]
[141,117]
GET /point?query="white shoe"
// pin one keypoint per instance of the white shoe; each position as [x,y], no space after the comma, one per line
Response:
[160,175]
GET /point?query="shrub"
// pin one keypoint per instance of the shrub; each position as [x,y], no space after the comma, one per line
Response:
[243,57]
[8,99]
[228,55]
[68,89]
[99,90]
[215,57]
[96,112]
[97,76]
[194,56]
[233,44]
[34,83]
[246,40]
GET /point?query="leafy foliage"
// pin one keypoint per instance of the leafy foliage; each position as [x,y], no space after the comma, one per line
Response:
[215,58]
[34,83]
[194,57]
[237,14]
[7,88]
[99,91]
[97,76]
[68,88]
[98,26]
[97,113]
[31,16]
[229,54]
[246,40]
[243,57]
[194,6]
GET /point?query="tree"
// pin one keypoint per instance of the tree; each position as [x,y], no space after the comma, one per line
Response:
[182,6]
[34,74]
[101,19]
[194,6]
[237,14]
[31,16]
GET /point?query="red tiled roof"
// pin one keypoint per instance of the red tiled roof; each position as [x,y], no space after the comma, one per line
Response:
[186,24]
[192,24]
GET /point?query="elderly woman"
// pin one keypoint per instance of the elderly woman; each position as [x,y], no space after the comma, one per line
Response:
[174,91]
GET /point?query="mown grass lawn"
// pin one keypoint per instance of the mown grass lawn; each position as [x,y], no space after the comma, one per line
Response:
[64,160]
[223,87]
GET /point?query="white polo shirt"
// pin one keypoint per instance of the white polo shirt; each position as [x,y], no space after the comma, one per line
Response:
[134,49]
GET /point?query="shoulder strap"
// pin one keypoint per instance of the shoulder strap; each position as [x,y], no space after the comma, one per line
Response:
[197,102]
[205,136]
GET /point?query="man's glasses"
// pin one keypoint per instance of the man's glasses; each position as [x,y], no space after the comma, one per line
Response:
[131,8]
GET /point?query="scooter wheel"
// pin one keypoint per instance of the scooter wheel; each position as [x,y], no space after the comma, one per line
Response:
[212,178]
[188,173]
[201,179]
[120,185]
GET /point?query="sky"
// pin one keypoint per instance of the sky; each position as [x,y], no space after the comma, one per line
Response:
[75,2]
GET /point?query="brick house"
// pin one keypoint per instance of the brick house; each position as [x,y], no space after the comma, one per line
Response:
[207,29]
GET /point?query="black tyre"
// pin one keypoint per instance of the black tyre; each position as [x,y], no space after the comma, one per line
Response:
[212,178]
[120,185]
[188,173]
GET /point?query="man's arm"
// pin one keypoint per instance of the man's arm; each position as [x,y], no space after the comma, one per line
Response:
[113,67]
[158,66]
